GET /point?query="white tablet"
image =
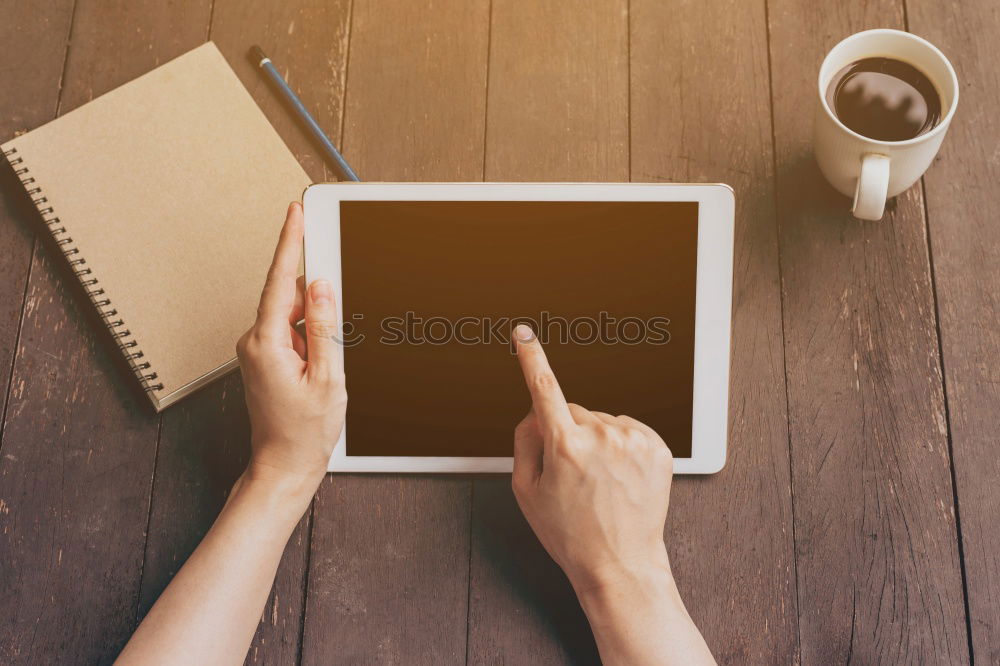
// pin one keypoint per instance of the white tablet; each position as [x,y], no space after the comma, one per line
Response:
[628,286]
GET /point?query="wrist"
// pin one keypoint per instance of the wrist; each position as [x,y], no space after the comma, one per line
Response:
[280,488]
[649,581]
[637,616]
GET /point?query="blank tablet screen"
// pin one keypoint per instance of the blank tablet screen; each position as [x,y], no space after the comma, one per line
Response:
[431,290]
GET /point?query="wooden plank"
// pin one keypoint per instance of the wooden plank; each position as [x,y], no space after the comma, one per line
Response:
[558,98]
[80,440]
[35,38]
[558,110]
[879,577]
[961,190]
[76,470]
[204,440]
[729,536]
[388,578]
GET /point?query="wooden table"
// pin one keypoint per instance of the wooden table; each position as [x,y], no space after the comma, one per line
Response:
[857,518]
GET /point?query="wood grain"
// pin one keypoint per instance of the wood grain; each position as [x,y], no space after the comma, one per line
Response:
[35,38]
[204,441]
[416,90]
[80,439]
[388,578]
[961,190]
[76,470]
[878,571]
[557,111]
[558,98]
[700,112]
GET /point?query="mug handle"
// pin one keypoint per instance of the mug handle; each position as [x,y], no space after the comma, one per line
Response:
[872,188]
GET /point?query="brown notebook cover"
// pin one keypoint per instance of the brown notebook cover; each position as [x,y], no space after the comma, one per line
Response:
[166,195]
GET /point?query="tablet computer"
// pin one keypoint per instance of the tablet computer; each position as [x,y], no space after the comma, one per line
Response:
[628,286]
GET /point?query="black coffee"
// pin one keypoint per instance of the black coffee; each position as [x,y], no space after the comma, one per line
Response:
[884,99]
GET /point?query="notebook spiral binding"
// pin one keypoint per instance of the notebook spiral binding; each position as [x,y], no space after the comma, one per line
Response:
[121,335]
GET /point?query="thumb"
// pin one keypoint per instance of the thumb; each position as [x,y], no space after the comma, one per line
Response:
[321,330]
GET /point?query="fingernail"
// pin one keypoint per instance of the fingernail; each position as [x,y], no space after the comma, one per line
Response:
[524,333]
[321,292]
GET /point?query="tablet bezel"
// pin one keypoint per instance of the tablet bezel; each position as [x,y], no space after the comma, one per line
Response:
[713,296]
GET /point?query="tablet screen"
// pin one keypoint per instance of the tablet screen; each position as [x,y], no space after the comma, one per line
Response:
[432,289]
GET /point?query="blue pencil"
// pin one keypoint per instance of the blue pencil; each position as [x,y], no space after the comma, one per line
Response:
[331,151]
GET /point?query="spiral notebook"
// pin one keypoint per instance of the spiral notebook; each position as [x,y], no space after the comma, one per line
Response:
[166,197]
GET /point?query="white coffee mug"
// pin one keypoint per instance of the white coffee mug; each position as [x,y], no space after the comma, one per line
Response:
[870,170]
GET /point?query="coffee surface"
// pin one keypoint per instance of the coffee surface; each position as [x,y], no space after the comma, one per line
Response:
[884,99]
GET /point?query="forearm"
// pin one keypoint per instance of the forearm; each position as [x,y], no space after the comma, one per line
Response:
[210,610]
[638,617]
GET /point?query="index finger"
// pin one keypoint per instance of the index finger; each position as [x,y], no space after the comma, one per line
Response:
[278,297]
[546,396]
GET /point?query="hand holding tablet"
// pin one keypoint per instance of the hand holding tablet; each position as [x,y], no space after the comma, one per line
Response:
[594,487]
[296,405]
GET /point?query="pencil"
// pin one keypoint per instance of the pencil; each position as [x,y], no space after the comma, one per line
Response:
[331,151]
